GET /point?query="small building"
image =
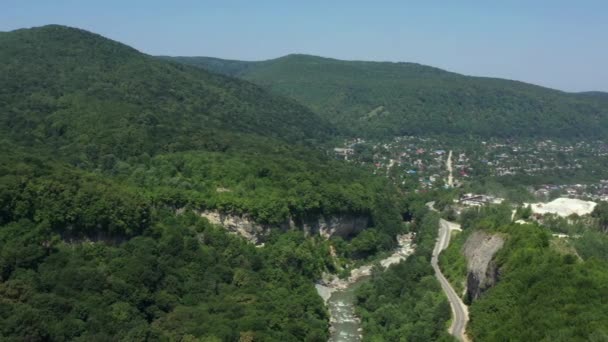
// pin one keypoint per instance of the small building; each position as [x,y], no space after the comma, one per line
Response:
[344,152]
[472,200]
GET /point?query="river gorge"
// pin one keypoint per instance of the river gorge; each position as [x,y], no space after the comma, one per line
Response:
[339,294]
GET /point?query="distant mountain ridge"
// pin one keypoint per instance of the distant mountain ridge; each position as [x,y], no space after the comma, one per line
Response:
[387,98]
[226,67]
[68,88]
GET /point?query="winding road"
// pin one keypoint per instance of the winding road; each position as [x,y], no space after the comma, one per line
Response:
[460,312]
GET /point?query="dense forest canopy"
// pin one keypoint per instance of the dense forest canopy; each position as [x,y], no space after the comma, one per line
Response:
[558,296]
[382,98]
[79,92]
[548,288]
[104,107]
[108,156]
[100,145]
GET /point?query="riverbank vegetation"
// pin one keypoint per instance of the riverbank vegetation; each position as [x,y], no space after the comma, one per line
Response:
[406,301]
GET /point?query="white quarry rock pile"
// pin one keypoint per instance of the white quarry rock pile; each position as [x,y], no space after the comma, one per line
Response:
[564,207]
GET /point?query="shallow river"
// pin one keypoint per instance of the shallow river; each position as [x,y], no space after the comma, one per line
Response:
[345,326]
[339,294]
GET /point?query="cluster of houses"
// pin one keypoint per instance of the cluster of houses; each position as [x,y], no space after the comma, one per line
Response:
[422,160]
[537,157]
[413,158]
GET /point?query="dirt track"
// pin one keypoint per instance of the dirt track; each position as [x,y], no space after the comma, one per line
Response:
[448,165]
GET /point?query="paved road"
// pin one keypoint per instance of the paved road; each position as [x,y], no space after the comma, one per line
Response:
[459,310]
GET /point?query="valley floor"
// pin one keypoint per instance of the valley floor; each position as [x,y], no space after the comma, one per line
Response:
[339,294]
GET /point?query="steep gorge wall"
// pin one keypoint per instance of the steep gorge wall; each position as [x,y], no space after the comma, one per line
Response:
[482,271]
[343,225]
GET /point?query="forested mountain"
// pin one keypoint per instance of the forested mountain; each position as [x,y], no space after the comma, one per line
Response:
[73,89]
[595,95]
[228,67]
[101,149]
[100,105]
[382,98]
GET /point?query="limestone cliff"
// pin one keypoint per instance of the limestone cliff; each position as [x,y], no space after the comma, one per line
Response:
[482,272]
[239,224]
[342,225]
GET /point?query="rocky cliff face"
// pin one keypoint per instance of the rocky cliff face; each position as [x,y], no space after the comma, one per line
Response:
[482,272]
[326,226]
[239,224]
[333,225]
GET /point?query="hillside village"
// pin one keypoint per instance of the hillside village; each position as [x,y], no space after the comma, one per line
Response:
[420,163]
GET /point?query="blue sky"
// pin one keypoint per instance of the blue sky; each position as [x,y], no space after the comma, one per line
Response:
[559,44]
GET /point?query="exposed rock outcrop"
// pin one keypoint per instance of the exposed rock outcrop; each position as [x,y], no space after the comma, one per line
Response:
[327,226]
[239,224]
[482,272]
[334,225]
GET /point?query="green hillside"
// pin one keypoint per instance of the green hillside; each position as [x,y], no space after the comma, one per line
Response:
[102,146]
[227,67]
[382,98]
[70,88]
[548,288]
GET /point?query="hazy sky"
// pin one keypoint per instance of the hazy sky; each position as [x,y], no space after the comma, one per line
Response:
[555,43]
